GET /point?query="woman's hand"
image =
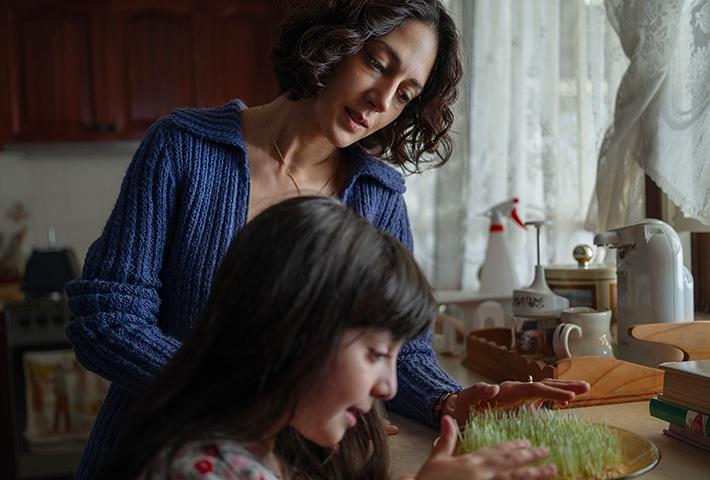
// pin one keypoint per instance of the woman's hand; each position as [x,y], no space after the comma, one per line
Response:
[497,462]
[509,395]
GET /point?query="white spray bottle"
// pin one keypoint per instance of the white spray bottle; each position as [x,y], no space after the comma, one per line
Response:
[498,273]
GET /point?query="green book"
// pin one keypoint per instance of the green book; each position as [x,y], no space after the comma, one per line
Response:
[680,416]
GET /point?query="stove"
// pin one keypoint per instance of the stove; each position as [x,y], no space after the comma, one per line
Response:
[53,399]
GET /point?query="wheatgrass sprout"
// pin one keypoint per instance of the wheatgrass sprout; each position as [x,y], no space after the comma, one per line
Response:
[581,449]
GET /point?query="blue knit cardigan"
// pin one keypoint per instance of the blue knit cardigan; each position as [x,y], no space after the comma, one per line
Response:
[184,197]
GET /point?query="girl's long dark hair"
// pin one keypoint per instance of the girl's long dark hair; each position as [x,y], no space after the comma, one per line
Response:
[292,280]
[317,34]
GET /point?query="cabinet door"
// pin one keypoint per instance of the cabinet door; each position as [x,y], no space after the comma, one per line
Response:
[53,55]
[151,61]
[85,70]
[233,57]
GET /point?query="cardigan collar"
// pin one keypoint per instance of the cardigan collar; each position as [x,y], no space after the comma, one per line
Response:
[223,124]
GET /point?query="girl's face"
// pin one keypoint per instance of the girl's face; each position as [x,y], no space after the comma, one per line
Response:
[368,90]
[364,369]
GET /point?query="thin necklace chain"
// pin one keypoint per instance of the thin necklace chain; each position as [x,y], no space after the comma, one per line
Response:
[283,161]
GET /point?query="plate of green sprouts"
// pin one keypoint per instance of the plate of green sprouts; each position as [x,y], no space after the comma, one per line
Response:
[580,448]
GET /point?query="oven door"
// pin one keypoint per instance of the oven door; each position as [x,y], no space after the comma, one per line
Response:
[54,400]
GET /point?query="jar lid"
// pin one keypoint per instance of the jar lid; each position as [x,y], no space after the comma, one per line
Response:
[582,270]
[572,272]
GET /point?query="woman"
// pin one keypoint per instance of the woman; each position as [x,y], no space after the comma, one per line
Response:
[356,78]
[277,371]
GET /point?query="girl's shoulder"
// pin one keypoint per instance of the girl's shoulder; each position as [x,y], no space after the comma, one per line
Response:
[207,460]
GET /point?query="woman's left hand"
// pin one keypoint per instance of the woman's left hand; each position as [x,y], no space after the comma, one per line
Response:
[509,395]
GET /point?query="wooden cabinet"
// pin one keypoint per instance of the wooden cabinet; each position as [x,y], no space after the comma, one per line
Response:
[83,70]
[150,62]
[234,53]
[53,59]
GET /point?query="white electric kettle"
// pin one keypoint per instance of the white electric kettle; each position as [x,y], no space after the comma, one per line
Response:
[653,286]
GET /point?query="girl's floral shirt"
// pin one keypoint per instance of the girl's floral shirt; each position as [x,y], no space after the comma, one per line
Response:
[223,460]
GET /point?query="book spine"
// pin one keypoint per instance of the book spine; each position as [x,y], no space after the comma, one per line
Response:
[695,441]
[680,416]
[682,403]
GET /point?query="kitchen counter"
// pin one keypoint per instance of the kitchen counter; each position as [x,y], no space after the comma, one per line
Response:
[411,447]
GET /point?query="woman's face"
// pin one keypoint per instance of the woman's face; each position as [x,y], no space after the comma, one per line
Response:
[364,369]
[368,90]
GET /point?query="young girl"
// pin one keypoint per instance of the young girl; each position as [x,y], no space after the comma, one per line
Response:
[296,344]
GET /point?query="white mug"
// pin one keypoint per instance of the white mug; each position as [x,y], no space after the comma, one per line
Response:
[584,331]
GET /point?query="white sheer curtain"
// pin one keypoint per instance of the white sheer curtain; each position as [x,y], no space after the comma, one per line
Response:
[538,97]
[662,123]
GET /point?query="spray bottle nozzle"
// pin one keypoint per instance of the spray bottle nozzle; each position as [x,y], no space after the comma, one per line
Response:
[507,208]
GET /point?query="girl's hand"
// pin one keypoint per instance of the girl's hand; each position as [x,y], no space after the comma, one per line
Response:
[509,395]
[498,462]
[390,428]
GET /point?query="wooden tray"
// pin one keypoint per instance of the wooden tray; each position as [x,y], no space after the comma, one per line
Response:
[612,381]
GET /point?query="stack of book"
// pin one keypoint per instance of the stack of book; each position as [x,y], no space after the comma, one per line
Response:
[685,401]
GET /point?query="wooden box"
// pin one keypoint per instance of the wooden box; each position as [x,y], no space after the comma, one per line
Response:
[612,381]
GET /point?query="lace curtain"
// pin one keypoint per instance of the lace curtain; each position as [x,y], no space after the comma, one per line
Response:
[537,99]
[661,125]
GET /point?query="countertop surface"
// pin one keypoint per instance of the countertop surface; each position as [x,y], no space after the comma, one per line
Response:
[411,447]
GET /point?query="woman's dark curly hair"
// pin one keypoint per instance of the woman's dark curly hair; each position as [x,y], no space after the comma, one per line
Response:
[317,34]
